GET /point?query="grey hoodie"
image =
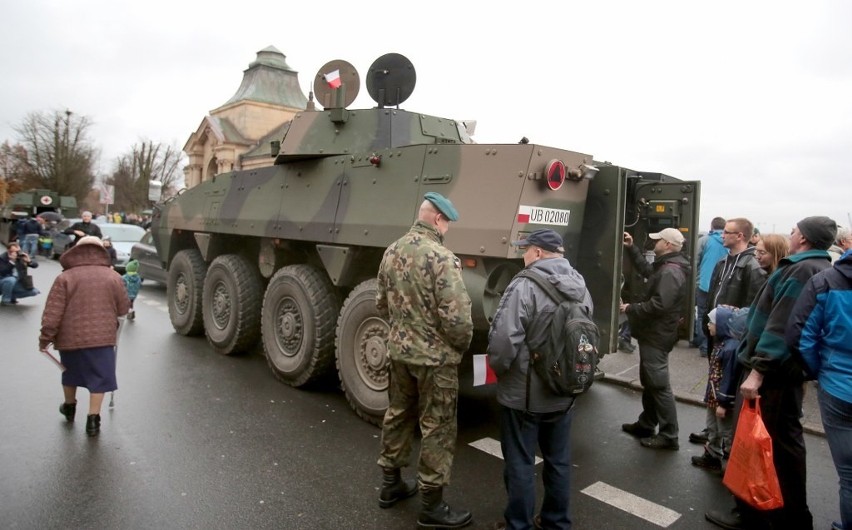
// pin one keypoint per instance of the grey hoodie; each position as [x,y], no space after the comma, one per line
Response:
[508,354]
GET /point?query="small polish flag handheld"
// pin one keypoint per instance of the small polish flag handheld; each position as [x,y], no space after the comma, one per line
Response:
[333,79]
[482,373]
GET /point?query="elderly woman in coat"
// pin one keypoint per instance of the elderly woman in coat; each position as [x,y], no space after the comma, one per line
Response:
[80,319]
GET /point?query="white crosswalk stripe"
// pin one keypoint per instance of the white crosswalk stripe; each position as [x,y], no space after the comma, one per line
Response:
[623,500]
[617,498]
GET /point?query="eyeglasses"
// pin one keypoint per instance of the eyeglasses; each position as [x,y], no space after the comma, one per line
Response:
[761,252]
[730,233]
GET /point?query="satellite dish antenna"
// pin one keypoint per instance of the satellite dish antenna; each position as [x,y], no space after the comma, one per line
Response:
[336,84]
[391,80]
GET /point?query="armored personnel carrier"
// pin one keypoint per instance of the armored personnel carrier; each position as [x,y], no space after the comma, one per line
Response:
[287,255]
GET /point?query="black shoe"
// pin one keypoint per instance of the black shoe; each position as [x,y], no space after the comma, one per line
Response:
[626,346]
[394,489]
[131,315]
[634,429]
[68,410]
[700,437]
[731,520]
[93,424]
[707,461]
[435,513]
[660,442]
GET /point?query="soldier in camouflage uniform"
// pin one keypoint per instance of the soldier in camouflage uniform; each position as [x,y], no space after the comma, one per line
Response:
[422,295]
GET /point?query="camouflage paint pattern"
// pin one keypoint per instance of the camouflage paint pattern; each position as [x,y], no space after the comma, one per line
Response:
[349,182]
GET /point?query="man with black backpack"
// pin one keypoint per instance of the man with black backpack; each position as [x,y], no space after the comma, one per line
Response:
[533,411]
[654,322]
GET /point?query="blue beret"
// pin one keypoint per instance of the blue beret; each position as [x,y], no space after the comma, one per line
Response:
[443,205]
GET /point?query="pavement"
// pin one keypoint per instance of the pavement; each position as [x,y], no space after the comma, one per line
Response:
[688,374]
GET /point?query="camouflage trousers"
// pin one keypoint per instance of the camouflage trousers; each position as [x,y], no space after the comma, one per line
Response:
[428,395]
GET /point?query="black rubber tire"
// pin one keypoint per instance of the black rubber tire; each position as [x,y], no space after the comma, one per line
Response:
[361,346]
[298,319]
[231,304]
[183,290]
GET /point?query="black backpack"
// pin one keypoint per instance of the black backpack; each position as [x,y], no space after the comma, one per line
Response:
[567,358]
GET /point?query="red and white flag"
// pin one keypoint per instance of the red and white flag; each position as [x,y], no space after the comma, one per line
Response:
[482,373]
[333,79]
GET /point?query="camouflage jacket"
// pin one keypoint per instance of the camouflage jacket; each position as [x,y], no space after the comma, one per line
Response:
[421,293]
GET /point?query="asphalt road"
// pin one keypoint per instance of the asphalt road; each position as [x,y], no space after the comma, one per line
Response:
[199,440]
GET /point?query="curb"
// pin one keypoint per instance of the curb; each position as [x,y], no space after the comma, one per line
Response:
[691,400]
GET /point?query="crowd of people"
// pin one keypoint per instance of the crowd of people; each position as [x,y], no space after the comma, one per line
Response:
[773,312]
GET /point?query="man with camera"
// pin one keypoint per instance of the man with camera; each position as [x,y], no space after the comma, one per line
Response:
[13,275]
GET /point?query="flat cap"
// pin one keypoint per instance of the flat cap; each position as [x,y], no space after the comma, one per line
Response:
[545,239]
[443,205]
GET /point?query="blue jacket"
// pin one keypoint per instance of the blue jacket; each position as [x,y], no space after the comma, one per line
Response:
[132,282]
[508,354]
[711,250]
[820,328]
[764,348]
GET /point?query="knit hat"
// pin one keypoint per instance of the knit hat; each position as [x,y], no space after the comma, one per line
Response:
[132,266]
[819,230]
[712,316]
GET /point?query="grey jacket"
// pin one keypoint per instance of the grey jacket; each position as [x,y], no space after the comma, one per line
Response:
[508,354]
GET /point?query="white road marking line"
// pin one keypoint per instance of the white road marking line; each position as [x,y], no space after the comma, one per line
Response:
[632,504]
[492,447]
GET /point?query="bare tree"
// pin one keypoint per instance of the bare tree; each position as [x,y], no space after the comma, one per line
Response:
[14,174]
[145,161]
[57,152]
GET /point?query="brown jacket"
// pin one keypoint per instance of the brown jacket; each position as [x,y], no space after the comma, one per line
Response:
[85,301]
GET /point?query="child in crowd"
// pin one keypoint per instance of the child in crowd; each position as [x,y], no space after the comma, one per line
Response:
[107,241]
[132,282]
[728,325]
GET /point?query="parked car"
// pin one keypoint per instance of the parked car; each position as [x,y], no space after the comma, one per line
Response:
[150,267]
[123,237]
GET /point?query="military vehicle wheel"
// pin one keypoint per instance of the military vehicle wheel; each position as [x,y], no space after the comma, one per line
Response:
[362,362]
[231,304]
[185,282]
[299,313]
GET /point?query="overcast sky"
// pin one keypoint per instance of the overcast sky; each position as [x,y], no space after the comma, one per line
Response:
[752,98]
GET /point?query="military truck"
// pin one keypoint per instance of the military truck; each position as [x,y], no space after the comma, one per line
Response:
[287,255]
[30,203]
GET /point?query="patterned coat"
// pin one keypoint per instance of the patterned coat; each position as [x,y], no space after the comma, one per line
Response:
[85,301]
[421,293]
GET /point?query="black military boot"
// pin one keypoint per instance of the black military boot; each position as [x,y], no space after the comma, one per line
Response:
[68,410]
[394,489]
[435,513]
[93,424]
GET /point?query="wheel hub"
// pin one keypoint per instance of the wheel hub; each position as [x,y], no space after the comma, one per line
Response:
[221,306]
[372,354]
[289,328]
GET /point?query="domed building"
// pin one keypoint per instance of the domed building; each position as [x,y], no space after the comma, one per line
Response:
[237,135]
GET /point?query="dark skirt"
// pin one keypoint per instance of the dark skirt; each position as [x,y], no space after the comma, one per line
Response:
[90,368]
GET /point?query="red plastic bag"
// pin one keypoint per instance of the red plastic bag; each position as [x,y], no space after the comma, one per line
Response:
[750,474]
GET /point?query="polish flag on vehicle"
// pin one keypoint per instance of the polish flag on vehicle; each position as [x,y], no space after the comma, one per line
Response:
[333,79]
[482,373]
